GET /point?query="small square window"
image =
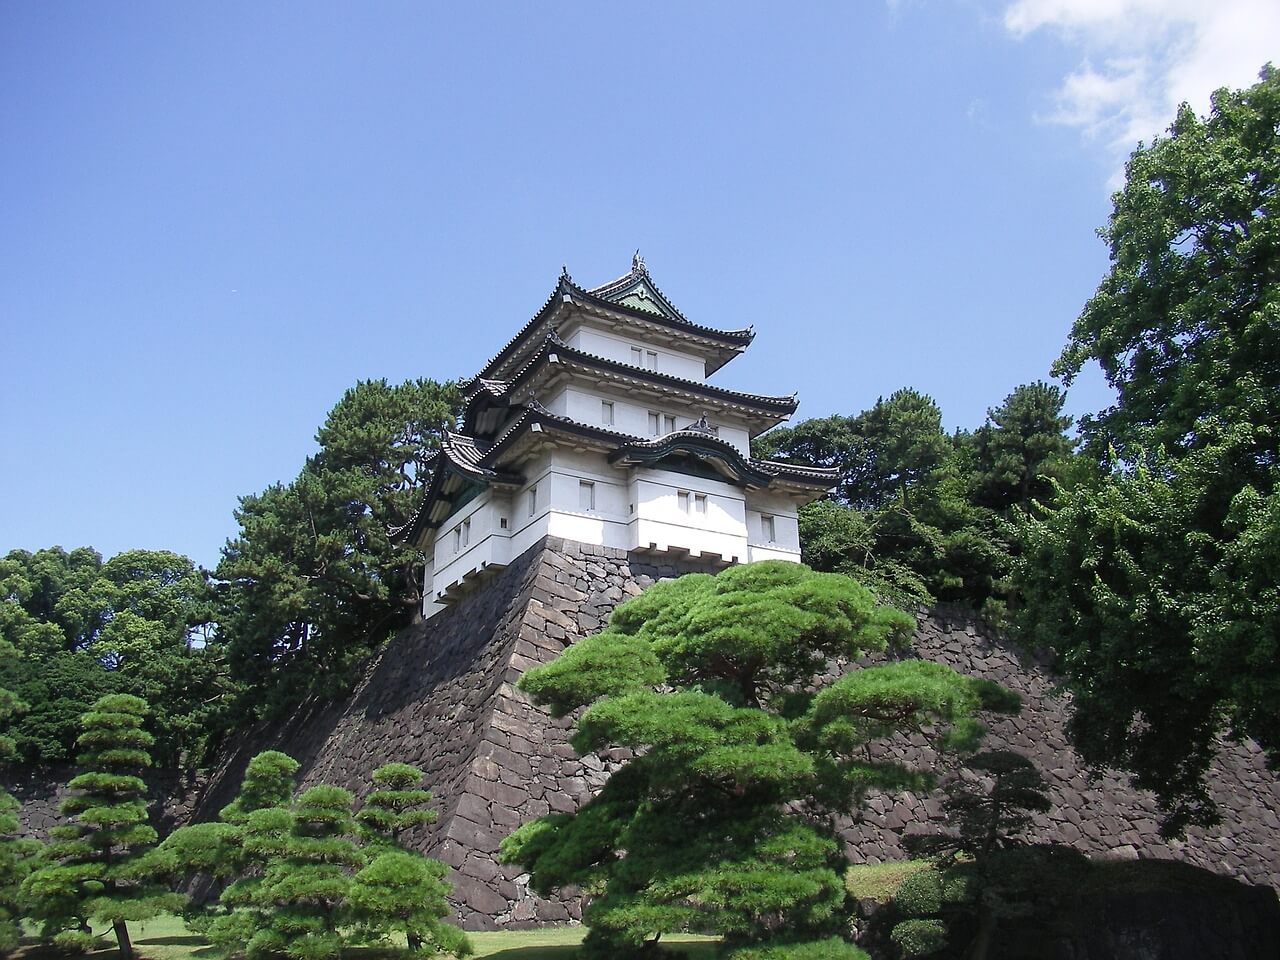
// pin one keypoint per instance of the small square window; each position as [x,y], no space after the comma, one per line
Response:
[533,499]
[606,412]
[651,360]
[637,356]
[668,424]
[502,523]
[768,529]
[586,495]
[466,533]
[457,539]
[655,424]
[682,500]
[700,503]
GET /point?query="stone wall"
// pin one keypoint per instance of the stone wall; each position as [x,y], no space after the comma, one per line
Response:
[1096,813]
[442,696]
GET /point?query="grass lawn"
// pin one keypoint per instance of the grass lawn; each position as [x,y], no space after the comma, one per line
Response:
[165,938]
[880,881]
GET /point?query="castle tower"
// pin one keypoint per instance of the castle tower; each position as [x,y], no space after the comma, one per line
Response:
[596,424]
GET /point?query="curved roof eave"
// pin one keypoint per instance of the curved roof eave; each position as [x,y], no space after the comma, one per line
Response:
[735,339]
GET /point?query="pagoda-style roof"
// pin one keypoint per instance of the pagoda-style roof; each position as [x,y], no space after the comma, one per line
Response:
[632,299]
[464,462]
[555,356]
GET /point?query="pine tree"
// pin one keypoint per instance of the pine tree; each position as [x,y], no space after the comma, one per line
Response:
[234,849]
[722,822]
[401,891]
[16,854]
[304,891]
[95,868]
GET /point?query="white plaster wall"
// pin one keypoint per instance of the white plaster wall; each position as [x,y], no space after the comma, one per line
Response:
[605,343]
[636,508]
[785,525]
[632,417]
[487,543]
[660,523]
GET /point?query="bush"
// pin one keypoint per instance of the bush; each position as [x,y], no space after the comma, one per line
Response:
[832,948]
[919,938]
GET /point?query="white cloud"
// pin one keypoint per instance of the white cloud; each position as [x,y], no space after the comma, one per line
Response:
[1141,58]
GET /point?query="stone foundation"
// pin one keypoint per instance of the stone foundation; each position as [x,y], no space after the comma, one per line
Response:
[442,696]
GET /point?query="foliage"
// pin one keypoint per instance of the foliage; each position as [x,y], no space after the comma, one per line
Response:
[722,821]
[918,516]
[403,892]
[397,803]
[313,581]
[918,937]
[16,854]
[987,804]
[94,866]
[1022,449]
[307,880]
[1157,584]
[85,629]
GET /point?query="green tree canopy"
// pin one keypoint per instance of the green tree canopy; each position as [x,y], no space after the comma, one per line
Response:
[139,624]
[917,514]
[722,820]
[1158,583]
[1022,448]
[94,865]
[313,581]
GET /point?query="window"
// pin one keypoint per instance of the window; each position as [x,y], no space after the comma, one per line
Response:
[682,500]
[457,539]
[533,499]
[606,412]
[767,529]
[586,495]
[651,360]
[655,423]
[637,356]
[502,523]
[668,424]
[466,533]
[700,504]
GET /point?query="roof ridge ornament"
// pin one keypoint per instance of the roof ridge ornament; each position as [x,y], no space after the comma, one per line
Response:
[638,266]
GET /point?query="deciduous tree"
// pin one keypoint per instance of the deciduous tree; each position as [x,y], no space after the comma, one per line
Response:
[1157,585]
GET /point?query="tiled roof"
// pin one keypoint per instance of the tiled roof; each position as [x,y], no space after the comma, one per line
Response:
[552,342]
[566,288]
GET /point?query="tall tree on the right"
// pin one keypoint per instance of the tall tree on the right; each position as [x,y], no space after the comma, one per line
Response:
[1159,584]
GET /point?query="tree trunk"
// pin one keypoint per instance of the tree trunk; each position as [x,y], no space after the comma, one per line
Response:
[415,942]
[122,937]
[981,945]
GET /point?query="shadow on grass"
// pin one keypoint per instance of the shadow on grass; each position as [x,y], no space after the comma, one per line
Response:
[672,951]
[175,941]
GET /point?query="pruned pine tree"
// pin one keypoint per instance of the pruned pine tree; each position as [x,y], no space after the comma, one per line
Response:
[94,866]
[16,853]
[302,899]
[223,851]
[397,803]
[987,805]
[400,891]
[723,821]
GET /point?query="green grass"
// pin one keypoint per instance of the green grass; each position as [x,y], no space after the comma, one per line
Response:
[166,938]
[880,881]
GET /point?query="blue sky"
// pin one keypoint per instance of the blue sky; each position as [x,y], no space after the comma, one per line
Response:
[216,218]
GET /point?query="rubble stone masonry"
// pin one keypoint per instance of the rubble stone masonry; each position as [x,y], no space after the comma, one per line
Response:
[442,696]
